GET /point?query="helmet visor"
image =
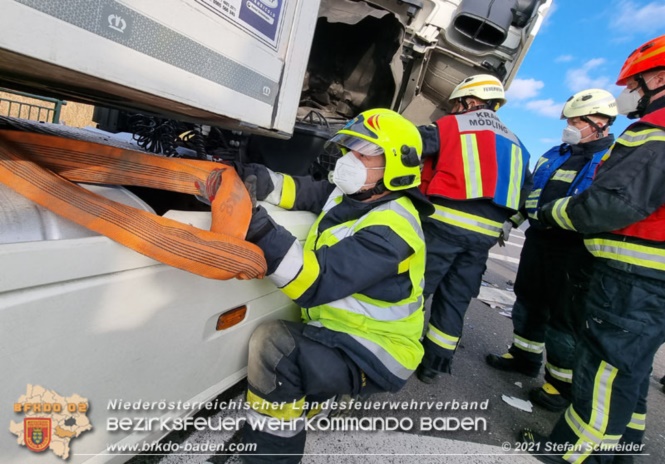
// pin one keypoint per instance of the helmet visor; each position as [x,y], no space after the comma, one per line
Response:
[356,144]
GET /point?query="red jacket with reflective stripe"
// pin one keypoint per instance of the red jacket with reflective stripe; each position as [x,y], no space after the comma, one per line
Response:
[653,226]
[476,146]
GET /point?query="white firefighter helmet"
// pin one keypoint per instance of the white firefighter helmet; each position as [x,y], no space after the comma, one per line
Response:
[588,102]
[482,86]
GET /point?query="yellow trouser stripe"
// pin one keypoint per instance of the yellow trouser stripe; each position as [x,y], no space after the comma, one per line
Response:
[602,393]
[281,411]
[564,375]
[638,421]
[442,339]
[528,345]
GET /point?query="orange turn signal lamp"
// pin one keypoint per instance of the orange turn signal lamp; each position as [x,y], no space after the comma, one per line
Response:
[230,318]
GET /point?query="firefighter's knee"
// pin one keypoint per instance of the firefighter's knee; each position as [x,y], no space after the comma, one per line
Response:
[269,344]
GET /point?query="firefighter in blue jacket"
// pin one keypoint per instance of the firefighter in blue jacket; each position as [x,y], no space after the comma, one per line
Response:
[622,217]
[358,279]
[474,173]
[555,267]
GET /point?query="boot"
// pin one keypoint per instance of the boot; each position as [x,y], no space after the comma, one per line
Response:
[549,398]
[426,375]
[536,444]
[623,459]
[507,362]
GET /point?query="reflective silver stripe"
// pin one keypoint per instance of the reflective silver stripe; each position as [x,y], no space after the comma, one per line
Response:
[388,313]
[445,341]
[564,176]
[518,218]
[333,200]
[539,163]
[402,211]
[589,439]
[385,358]
[579,452]
[564,375]
[532,199]
[560,215]
[467,221]
[347,229]
[290,266]
[580,428]
[610,442]
[339,232]
[632,138]
[273,426]
[275,197]
[631,253]
[471,161]
[638,421]
[515,182]
[602,393]
[528,345]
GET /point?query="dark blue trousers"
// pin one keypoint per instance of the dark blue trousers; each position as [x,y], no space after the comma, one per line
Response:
[289,369]
[453,276]
[551,286]
[625,327]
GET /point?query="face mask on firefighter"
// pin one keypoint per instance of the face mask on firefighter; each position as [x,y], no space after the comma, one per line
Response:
[350,174]
[572,135]
[631,104]
[627,101]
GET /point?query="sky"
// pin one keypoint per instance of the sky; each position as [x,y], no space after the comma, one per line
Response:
[582,44]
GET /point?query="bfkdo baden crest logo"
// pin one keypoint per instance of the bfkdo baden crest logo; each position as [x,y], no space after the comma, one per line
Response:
[37,434]
[50,421]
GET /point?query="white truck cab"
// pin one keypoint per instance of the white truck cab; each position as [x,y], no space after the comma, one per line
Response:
[270,80]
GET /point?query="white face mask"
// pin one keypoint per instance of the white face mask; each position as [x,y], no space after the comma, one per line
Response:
[627,101]
[350,174]
[572,135]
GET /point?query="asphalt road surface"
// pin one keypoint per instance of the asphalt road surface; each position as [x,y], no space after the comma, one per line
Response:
[492,437]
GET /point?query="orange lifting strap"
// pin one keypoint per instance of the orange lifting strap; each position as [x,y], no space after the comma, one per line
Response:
[43,167]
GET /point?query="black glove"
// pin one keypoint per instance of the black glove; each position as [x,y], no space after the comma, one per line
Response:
[544,215]
[264,185]
[261,223]
[250,185]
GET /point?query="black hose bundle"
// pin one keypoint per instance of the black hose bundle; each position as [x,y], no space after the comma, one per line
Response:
[155,135]
[164,136]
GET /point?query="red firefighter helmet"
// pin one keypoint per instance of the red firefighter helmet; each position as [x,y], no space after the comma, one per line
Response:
[649,56]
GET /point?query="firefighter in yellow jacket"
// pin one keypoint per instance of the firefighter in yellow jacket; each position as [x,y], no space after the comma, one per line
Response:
[358,279]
